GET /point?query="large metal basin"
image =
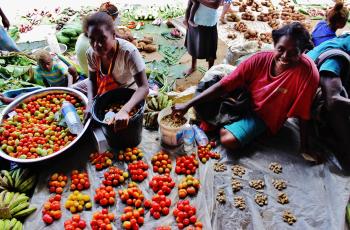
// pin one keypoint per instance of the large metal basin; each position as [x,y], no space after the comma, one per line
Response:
[38,93]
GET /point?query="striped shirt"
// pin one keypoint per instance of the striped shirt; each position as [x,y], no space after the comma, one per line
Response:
[55,77]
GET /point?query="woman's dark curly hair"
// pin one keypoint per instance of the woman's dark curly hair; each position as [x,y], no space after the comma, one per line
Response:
[297,32]
[338,14]
[98,19]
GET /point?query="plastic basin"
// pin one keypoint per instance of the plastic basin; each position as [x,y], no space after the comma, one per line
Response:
[168,134]
[128,137]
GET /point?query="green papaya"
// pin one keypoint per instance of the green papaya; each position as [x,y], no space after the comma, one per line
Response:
[69,32]
[62,39]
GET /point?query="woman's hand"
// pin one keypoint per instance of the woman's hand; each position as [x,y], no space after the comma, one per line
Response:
[180,109]
[120,121]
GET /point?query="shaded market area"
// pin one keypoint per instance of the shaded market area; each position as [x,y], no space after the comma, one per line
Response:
[148,176]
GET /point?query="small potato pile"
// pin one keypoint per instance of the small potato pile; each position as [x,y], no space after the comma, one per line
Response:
[231,35]
[232,17]
[241,27]
[248,15]
[242,8]
[251,34]
[263,17]
[274,23]
[265,37]
[256,7]
[266,3]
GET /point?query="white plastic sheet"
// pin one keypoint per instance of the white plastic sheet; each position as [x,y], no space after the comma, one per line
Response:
[318,194]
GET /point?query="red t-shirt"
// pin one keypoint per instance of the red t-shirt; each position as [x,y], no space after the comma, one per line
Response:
[274,99]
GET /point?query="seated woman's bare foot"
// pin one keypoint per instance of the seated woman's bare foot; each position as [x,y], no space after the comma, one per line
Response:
[222,21]
[191,23]
[189,71]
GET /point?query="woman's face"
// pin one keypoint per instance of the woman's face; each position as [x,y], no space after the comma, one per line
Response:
[287,53]
[102,40]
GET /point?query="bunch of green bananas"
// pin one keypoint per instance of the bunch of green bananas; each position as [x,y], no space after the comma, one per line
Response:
[19,180]
[159,102]
[154,105]
[12,224]
[14,205]
[348,214]
[150,119]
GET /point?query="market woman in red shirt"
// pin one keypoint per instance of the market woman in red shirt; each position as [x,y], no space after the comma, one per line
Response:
[282,84]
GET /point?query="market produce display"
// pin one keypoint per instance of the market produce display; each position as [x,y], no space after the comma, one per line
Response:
[69,34]
[102,220]
[257,184]
[132,218]
[289,217]
[57,182]
[260,199]
[186,165]
[13,224]
[101,160]
[18,180]
[138,170]
[205,153]
[130,154]
[33,132]
[132,195]
[279,184]
[282,198]
[219,167]
[275,167]
[221,196]
[80,180]
[105,195]
[114,176]
[162,183]
[159,206]
[239,202]
[75,223]
[238,170]
[173,122]
[14,205]
[117,107]
[188,186]
[236,184]
[185,215]
[154,105]
[161,163]
[52,209]
[77,202]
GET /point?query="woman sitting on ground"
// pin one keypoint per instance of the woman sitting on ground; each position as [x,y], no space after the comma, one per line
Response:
[113,63]
[282,84]
[326,29]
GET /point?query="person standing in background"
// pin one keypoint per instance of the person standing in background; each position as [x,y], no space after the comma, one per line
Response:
[202,40]
[326,29]
[6,42]
[82,44]
[225,9]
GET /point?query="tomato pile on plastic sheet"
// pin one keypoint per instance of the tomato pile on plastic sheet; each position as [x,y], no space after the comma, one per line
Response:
[317,196]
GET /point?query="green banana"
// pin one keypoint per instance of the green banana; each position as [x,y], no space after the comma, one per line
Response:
[2,224]
[7,224]
[25,212]
[2,195]
[18,201]
[165,101]
[170,103]
[19,207]
[16,176]
[8,198]
[27,184]
[12,223]
[154,103]
[160,99]
[348,213]
[18,226]
[8,176]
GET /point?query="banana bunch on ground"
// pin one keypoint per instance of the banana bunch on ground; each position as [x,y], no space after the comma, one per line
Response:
[159,102]
[12,224]
[19,180]
[154,105]
[14,205]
